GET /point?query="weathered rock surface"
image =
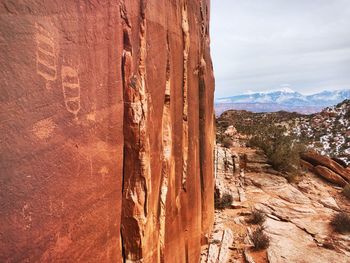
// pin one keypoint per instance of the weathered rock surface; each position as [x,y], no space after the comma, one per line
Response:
[298,217]
[248,258]
[225,169]
[291,244]
[306,165]
[329,175]
[317,159]
[107,128]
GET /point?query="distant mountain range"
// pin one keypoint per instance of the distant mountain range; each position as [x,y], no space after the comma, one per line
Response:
[327,131]
[285,99]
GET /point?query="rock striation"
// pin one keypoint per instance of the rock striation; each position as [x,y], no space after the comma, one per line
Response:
[329,175]
[298,215]
[325,167]
[107,130]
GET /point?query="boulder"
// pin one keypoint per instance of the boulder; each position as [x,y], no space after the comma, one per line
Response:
[340,161]
[257,167]
[329,202]
[329,175]
[231,131]
[317,159]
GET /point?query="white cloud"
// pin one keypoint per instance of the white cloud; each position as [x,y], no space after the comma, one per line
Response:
[259,45]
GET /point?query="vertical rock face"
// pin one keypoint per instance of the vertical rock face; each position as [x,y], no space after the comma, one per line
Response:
[106,130]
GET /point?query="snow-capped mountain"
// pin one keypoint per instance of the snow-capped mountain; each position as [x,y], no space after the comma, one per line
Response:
[284,99]
[328,98]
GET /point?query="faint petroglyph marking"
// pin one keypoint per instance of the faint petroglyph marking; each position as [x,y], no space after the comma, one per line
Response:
[71,90]
[46,54]
[92,115]
[103,171]
[43,129]
[27,216]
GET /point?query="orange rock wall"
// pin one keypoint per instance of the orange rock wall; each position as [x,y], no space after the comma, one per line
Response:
[106,130]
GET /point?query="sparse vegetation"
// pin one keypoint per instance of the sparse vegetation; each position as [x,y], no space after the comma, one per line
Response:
[257,217]
[224,202]
[329,244]
[292,177]
[226,142]
[260,239]
[325,131]
[341,222]
[282,150]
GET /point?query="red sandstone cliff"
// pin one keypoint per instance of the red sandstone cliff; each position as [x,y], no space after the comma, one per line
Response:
[106,130]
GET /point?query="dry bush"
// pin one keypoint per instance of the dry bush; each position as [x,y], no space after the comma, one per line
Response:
[329,244]
[341,222]
[346,191]
[257,217]
[224,202]
[260,239]
[226,142]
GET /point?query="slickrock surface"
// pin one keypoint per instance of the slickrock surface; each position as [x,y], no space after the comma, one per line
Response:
[297,215]
[106,130]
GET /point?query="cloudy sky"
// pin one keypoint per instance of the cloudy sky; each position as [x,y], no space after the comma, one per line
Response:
[260,45]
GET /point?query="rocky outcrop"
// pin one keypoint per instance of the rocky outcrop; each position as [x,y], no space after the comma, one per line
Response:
[298,216]
[107,130]
[317,159]
[295,245]
[306,165]
[218,250]
[329,175]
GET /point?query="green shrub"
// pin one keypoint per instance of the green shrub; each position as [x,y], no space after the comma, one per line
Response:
[282,150]
[260,239]
[341,222]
